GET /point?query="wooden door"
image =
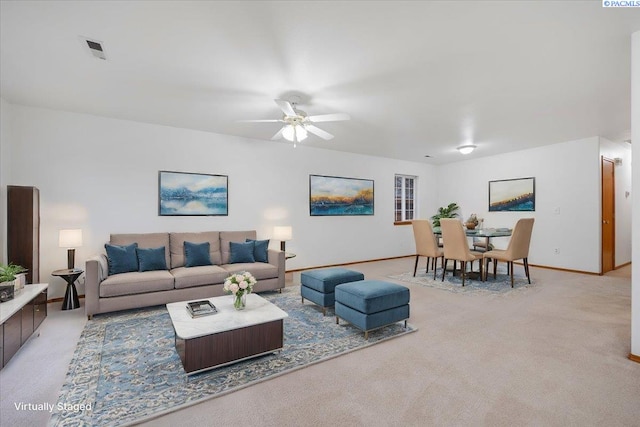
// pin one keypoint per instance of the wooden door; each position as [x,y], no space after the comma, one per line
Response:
[608,216]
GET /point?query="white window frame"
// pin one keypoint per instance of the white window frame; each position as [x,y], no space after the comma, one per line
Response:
[404,198]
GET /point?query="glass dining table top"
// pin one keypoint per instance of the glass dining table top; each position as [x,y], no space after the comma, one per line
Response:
[485,232]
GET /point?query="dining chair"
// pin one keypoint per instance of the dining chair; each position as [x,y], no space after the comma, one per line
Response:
[518,248]
[426,244]
[456,247]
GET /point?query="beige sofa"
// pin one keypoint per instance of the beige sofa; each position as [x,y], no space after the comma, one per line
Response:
[104,293]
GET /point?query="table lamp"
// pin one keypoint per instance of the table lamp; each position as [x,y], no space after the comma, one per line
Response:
[70,239]
[282,233]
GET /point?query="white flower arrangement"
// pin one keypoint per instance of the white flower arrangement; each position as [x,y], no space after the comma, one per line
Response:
[239,285]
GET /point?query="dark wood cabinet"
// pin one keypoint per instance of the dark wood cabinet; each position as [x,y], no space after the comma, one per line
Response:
[23,229]
[1,345]
[12,336]
[20,318]
[39,309]
[27,322]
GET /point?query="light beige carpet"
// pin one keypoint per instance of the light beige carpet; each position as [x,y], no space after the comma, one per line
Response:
[555,355]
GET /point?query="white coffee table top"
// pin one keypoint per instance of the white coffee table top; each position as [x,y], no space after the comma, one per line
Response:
[257,311]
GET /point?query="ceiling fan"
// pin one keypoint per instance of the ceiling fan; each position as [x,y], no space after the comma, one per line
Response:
[297,123]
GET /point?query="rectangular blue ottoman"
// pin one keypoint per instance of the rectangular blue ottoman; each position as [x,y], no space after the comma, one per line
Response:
[371,304]
[318,286]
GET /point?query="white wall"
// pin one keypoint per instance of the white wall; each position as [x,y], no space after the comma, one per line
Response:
[567,181]
[5,126]
[623,177]
[635,137]
[101,175]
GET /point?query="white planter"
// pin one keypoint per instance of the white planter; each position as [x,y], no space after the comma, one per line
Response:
[21,280]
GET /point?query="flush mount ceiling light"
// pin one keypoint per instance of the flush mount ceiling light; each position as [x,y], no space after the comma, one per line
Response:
[466,149]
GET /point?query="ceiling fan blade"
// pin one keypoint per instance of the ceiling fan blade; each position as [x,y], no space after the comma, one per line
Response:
[286,107]
[336,117]
[261,121]
[319,132]
[278,135]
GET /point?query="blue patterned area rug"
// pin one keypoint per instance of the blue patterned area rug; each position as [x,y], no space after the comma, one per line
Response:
[500,285]
[126,369]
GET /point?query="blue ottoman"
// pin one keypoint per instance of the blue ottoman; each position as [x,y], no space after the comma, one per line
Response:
[371,304]
[318,285]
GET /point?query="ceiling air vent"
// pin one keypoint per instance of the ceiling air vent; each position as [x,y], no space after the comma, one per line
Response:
[94,47]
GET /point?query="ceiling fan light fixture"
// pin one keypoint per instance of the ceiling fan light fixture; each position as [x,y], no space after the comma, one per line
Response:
[288,133]
[466,149]
[294,133]
[301,133]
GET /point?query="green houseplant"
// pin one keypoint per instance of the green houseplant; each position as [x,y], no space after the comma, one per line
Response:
[450,211]
[8,272]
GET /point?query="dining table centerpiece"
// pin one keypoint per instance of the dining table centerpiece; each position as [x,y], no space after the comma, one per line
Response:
[239,285]
[472,222]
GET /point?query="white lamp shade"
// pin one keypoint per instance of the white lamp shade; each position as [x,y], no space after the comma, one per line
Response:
[70,238]
[283,233]
[288,133]
[294,133]
[301,133]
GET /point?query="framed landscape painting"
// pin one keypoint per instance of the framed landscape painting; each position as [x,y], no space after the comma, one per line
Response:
[336,196]
[512,195]
[192,194]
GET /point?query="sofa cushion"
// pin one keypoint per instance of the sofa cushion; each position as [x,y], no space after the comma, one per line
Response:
[260,250]
[260,270]
[177,246]
[151,259]
[241,252]
[144,240]
[136,283]
[121,258]
[197,254]
[187,277]
[233,236]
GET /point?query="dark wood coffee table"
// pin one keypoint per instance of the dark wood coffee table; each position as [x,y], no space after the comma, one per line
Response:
[228,336]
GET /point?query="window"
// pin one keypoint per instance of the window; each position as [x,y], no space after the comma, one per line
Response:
[405,198]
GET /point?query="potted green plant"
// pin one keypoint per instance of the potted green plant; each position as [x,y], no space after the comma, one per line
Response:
[450,211]
[9,272]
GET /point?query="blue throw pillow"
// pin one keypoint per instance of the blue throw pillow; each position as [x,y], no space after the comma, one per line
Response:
[121,259]
[241,252]
[197,254]
[260,250]
[151,259]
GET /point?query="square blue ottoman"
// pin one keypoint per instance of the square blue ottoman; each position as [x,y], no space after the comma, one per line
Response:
[371,304]
[318,285]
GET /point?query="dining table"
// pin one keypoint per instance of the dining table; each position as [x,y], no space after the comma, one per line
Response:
[486,233]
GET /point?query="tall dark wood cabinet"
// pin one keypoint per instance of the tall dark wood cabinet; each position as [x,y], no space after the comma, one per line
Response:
[23,229]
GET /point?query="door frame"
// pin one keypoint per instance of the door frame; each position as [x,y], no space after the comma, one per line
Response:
[602,196]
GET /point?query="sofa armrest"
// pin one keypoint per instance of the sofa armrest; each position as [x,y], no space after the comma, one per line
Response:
[94,274]
[276,257]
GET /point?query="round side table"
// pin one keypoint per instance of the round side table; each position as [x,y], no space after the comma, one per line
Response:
[71,300]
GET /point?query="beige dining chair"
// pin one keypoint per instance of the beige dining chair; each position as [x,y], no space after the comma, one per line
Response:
[426,245]
[518,248]
[456,247]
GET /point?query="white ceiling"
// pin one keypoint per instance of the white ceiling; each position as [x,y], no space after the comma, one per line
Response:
[417,78]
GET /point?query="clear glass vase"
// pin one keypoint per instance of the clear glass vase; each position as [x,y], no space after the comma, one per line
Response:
[240,301]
